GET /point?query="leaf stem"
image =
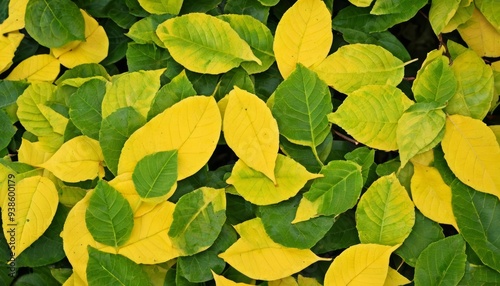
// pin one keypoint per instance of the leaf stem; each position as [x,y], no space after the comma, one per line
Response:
[315,152]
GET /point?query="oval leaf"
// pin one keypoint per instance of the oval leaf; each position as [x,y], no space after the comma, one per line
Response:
[36,68]
[435,82]
[303,35]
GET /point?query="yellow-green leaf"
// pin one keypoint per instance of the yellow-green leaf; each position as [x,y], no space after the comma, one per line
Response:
[431,195]
[394,278]
[78,159]
[135,89]
[371,115]
[92,50]
[204,43]
[251,131]
[361,3]
[8,46]
[472,153]
[257,256]
[480,35]
[435,81]
[15,21]
[361,264]
[258,189]
[491,10]
[441,12]
[307,281]
[385,213]
[303,35]
[223,281]
[36,68]
[192,126]
[33,153]
[354,66]
[162,7]
[32,211]
[462,15]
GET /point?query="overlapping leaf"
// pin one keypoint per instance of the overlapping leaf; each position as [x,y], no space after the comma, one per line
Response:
[490,10]
[8,46]
[489,42]
[441,13]
[435,81]
[35,69]
[15,20]
[162,7]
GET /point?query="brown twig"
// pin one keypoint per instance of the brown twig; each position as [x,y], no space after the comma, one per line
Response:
[346,137]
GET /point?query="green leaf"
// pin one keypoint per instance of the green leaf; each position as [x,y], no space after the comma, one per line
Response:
[155,176]
[235,77]
[365,157]
[354,66]
[462,15]
[435,82]
[385,213]
[371,115]
[54,23]
[342,234]
[384,7]
[190,6]
[196,268]
[109,217]
[198,220]
[204,44]
[10,91]
[479,275]
[384,39]
[114,269]
[301,104]
[114,132]
[441,12]
[85,107]
[335,193]
[253,8]
[425,121]
[7,130]
[478,217]
[258,36]
[423,233]
[277,220]
[304,154]
[144,30]
[442,262]
[146,57]
[475,86]
[83,71]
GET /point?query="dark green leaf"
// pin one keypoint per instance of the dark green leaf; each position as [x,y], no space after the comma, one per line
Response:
[10,91]
[247,7]
[117,42]
[479,275]
[146,57]
[365,157]
[239,210]
[189,6]
[7,130]
[155,174]
[342,234]
[235,77]
[304,154]
[384,39]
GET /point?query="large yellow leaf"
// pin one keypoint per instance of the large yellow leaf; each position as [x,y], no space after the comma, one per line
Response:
[251,131]
[257,256]
[93,50]
[480,35]
[431,195]
[258,189]
[33,153]
[15,21]
[26,219]
[223,281]
[192,126]
[303,35]
[8,46]
[361,264]
[36,68]
[472,153]
[149,242]
[78,159]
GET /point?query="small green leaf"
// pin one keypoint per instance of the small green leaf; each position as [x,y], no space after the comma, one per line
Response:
[155,176]
[442,262]
[342,234]
[114,269]
[198,220]
[7,130]
[384,39]
[54,23]
[435,82]
[10,91]
[109,217]
[162,7]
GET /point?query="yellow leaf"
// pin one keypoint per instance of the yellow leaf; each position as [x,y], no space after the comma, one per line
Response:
[124,184]
[93,50]
[472,153]
[257,256]
[33,153]
[251,131]
[424,159]
[8,46]
[361,264]
[480,35]
[78,159]
[36,68]
[395,279]
[303,35]
[26,219]
[258,189]
[74,280]
[223,281]
[15,21]
[149,242]
[431,195]
[7,179]
[287,281]
[307,281]
[192,126]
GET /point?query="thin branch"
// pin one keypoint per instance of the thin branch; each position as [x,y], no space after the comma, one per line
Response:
[346,137]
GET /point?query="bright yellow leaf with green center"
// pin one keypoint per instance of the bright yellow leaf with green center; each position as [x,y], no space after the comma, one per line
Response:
[431,195]
[149,242]
[15,20]
[303,35]
[354,66]
[204,43]
[472,153]
[258,189]
[136,89]
[93,50]
[192,126]
[124,184]
[33,153]
[35,205]
[251,131]
[8,46]
[223,281]
[257,256]
[480,35]
[36,68]
[78,159]
[361,264]
[394,278]
[162,6]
